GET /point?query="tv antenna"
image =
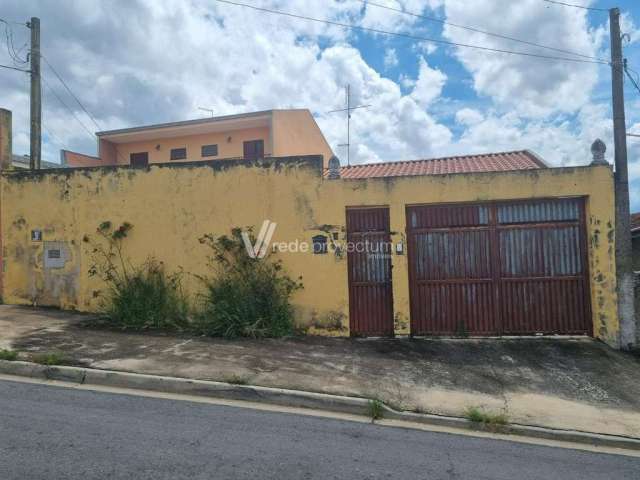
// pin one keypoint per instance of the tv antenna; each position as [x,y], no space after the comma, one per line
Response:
[210,110]
[348,109]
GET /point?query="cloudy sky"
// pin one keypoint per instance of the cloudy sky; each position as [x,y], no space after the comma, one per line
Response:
[139,62]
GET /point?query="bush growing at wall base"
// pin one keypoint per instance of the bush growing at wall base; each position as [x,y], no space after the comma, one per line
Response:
[244,296]
[137,297]
[148,298]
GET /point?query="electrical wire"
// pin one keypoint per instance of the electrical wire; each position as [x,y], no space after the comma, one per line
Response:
[95,122]
[477,30]
[633,80]
[573,5]
[10,22]
[409,36]
[54,139]
[15,68]
[11,50]
[576,6]
[70,92]
[63,103]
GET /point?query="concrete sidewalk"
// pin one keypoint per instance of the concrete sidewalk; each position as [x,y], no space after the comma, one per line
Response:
[575,384]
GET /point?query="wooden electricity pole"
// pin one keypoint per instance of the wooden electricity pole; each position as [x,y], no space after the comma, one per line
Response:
[624,272]
[36,96]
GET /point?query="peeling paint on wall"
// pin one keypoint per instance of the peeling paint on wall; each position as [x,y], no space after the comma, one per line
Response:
[172,205]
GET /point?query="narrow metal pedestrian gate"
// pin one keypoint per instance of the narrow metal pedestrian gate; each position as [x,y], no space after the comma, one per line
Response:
[369,266]
[498,268]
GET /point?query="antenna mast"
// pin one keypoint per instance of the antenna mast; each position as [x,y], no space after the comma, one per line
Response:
[349,109]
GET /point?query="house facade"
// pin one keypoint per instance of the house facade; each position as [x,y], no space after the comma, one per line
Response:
[271,133]
[477,245]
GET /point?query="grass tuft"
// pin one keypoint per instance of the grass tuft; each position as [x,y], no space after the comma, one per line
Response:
[148,299]
[51,358]
[236,380]
[375,409]
[9,355]
[476,415]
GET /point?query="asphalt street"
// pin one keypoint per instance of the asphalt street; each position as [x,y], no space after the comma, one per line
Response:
[49,432]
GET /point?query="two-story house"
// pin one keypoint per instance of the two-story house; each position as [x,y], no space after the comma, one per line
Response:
[277,133]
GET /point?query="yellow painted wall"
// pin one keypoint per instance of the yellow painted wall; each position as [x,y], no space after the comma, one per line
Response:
[171,206]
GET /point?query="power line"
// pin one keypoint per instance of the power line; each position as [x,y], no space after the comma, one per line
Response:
[56,140]
[70,110]
[46,84]
[633,80]
[409,36]
[95,122]
[11,50]
[70,92]
[477,30]
[576,6]
[10,22]
[15,68]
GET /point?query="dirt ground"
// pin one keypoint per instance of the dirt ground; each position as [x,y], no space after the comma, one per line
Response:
[576,383]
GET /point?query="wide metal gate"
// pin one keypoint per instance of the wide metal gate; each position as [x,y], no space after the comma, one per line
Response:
[369,266]
[498,268]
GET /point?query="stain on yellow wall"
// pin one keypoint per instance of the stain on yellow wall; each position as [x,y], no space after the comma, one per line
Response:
[172,205]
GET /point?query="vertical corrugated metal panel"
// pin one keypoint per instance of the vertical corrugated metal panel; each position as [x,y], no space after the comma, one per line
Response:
[542,266]
[369,271]
[522,272]
[450,270]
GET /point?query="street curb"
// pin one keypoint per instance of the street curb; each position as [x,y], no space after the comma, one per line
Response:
[292,398]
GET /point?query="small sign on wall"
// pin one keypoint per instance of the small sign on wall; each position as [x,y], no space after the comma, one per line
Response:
[55,254]
[36,235]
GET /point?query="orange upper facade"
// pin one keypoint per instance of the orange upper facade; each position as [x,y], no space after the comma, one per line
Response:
[277,133]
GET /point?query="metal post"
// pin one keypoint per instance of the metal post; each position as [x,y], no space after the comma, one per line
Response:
[624,272]
[36,96]
[348,124]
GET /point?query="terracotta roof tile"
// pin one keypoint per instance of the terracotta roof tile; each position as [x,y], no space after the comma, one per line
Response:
[489,162]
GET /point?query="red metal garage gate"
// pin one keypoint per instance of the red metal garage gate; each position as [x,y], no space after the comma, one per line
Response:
[369,265]
[498,268]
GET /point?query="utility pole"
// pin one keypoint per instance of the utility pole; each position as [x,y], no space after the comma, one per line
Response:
[349,109]
[36,96]
[624,272]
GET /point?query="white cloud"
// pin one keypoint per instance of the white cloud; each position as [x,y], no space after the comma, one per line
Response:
[139,62]
[469,116]
[427,48]
[556,140]
[385,19]
[532,87]
[390,58]
[428,85]
[406,81]
[134,63]
[627,26]
[394,127]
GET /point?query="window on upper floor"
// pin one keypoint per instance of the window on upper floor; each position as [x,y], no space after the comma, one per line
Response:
[140,159]
[210,150]
[253,149]
[178,154]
